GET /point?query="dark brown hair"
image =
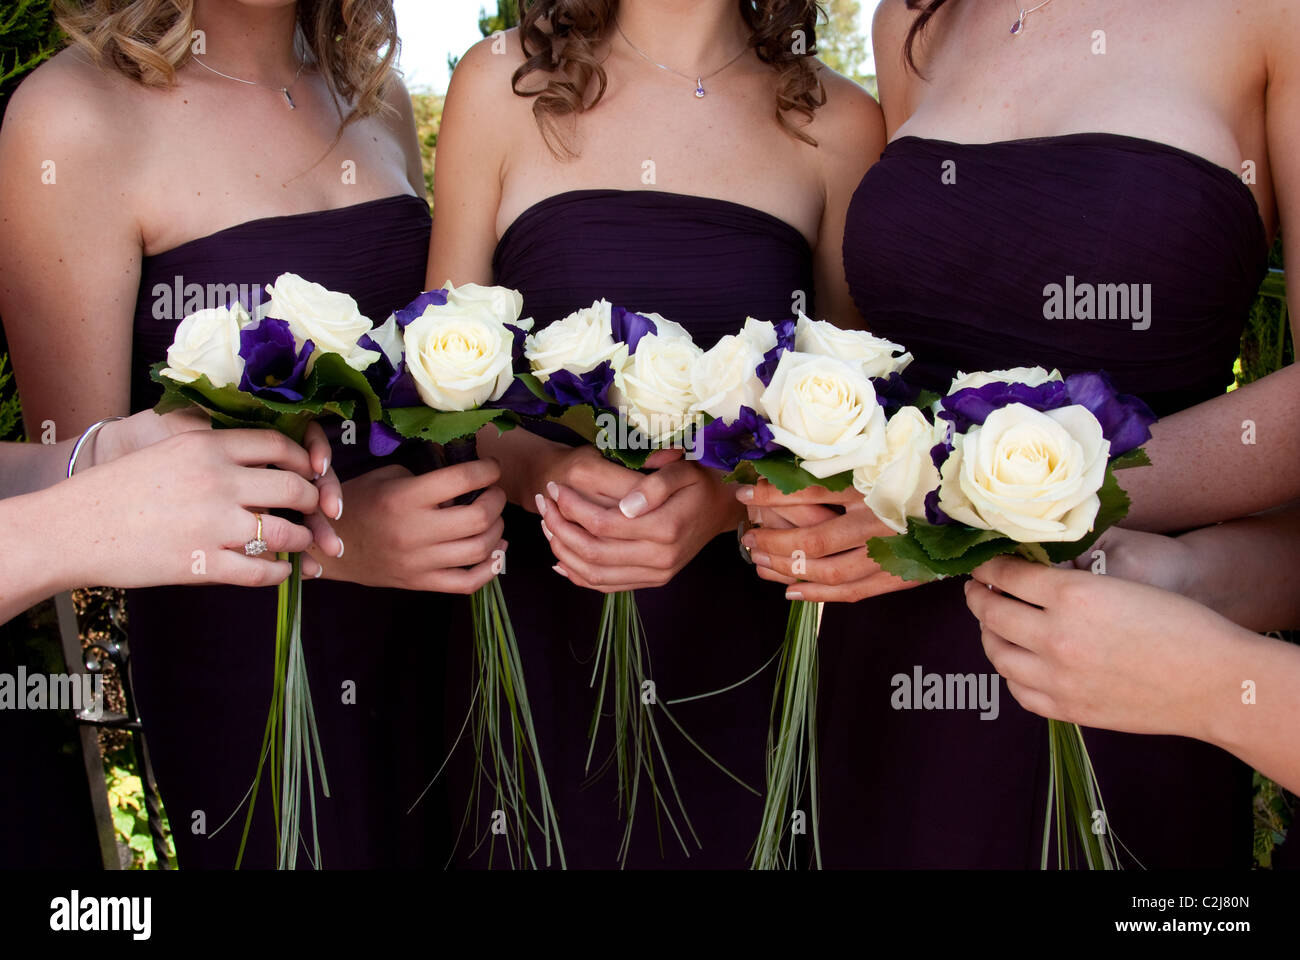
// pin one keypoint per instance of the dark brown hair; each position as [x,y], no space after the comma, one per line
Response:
[560,37]
[927,9]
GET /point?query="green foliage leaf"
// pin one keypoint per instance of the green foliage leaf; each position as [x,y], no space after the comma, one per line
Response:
[787,476]
[438,426]
[1134,458]
[949,541]
[906,557]
[1114,508]
[745,472]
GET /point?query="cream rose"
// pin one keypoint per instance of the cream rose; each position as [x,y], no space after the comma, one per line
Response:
[1031,475]
[652,387]
[825,412]
[579,343]
[895,486]
[458,358]
[870,355]
[207,344]
[501,303]
[388,337]
[726,378]
[330,320]
[1030,376]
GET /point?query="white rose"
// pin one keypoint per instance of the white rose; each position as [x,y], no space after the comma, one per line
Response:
[1030,475]
[825,412]
[666,329]
[653,386]
[871,355]
[459,359]
[726,378]
[579,343]
[1030,376]
[895,487]
[330,320]
[388,337]
[501,303]
[207,344]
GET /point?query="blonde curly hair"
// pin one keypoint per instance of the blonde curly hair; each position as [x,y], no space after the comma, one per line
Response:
[353,43]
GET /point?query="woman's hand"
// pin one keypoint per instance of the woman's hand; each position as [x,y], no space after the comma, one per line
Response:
[404,531]
[1102,651]
[614,529]
[819,547]
[1158,561]
[141,430]
[179,511]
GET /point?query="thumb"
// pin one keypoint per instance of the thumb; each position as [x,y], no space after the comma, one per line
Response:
[654,490]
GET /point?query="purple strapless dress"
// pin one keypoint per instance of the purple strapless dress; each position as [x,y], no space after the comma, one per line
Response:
[706,264]
[202,654]
[958,273]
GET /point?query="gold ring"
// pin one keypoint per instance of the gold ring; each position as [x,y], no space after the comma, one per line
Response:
[257,545]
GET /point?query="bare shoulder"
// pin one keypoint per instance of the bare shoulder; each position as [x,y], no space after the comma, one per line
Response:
[850,120]
[70,109]
[889,25]
[485,73]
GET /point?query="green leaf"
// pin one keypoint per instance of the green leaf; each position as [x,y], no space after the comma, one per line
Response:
[787,476]
[1113,509]
[534,386]
[927,399]
[331,377]
[948,541]
[905,557]
[140,842]
[438,426]
[1134,458]
[745,472]
[124,822]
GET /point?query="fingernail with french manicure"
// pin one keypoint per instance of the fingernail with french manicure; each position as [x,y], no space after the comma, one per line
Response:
[632,505]
[541,505]
[762,559]
[339,514]
[745,494]
[749,540]
[553,489]
[793,595]
[548,533]
[339,555]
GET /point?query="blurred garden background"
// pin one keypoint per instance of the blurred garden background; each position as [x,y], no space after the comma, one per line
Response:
[434,34]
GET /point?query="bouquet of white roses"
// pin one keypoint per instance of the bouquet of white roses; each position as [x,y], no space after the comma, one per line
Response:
[625,382]
[302,358]
[801,403]
[1021,461]
[448,370]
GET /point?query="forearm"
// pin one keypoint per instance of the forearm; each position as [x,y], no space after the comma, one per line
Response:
[33,555]
[28,467]
[1229,457]
[1254,709]
[1245,569]
[525,460]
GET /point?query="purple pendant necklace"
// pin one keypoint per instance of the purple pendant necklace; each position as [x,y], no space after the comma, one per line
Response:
[1019,25]
[699,80]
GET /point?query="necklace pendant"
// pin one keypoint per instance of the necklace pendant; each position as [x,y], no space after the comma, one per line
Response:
[288,99]
[1018,25]
[699,87]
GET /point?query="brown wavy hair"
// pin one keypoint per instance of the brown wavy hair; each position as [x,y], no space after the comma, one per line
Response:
[353,43]
[560,38]
[926,9]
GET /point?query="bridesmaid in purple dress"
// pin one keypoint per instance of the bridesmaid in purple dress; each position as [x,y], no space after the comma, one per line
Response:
[174,185]
[692,187]
[1018,161]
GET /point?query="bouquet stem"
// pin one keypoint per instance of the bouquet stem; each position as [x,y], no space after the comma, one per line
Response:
[792,747]
[503,721]
[290,740]
[1074,802]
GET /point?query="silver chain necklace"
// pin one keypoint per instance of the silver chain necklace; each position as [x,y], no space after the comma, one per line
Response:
[699,80]
[284,91]
[1019,25]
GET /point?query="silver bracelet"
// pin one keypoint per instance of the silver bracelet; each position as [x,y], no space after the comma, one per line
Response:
[82,441]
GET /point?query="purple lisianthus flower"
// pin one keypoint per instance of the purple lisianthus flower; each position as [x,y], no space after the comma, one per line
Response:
[416,308]
[572,389]
[722,446]
[629,327]
[894,393]
[934,514]
[517,348]
[521,400]
[1125,420]
[972,406]
[939,454]
[785,331]
[400,390]
[383,439]
[273,367]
